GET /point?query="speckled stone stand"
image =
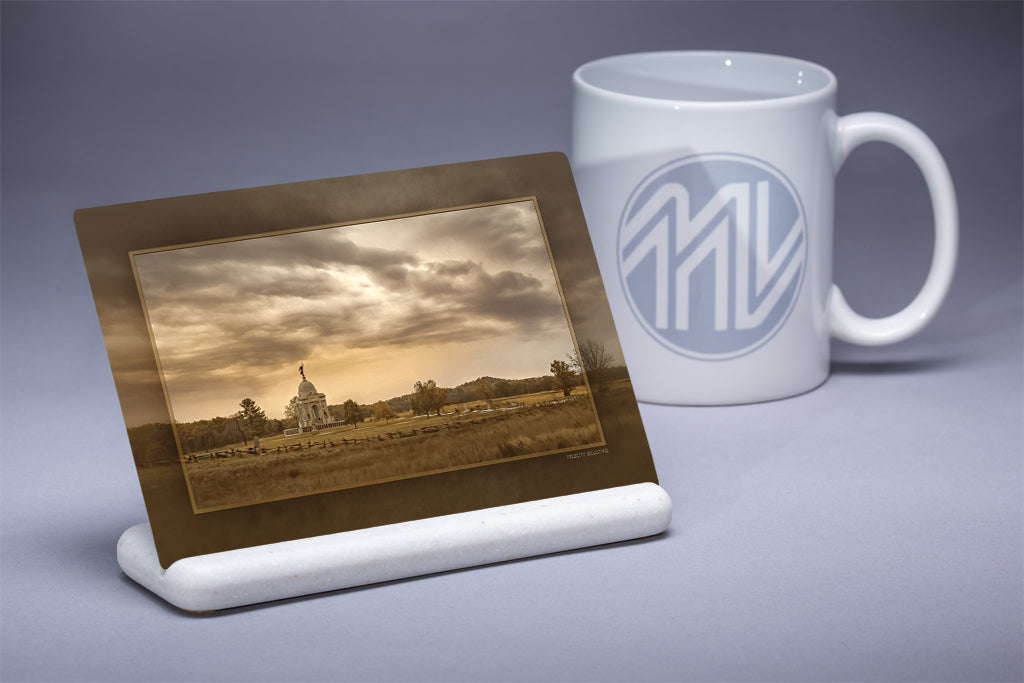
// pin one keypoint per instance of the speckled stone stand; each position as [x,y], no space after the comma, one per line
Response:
[354,558]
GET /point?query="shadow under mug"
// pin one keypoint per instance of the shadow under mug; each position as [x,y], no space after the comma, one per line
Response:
[707,180]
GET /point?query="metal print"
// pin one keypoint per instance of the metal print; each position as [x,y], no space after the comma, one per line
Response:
[318,357]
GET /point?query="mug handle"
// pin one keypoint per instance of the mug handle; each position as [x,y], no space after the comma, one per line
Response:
[847,325]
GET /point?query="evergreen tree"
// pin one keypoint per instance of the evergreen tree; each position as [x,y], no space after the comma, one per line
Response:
[252,418]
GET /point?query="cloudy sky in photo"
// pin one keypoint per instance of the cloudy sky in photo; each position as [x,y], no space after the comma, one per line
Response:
[369,308]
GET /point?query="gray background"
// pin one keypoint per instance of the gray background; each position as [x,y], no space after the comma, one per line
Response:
[870,530]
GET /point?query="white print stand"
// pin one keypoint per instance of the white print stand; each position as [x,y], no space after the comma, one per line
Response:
[355,558]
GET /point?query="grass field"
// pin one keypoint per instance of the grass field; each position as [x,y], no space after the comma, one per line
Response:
[298,465]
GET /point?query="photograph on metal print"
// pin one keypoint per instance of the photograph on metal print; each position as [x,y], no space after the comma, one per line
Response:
[340,356]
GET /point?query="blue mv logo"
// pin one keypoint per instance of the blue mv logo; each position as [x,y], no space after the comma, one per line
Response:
[712,251]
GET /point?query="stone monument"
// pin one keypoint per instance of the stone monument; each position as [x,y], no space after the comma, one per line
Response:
[310,406]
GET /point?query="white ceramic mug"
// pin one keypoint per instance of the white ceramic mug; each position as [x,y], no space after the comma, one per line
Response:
[707,180]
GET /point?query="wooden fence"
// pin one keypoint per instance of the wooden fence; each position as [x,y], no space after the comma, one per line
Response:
[506,414]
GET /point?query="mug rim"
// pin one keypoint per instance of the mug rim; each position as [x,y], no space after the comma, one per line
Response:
[828,88]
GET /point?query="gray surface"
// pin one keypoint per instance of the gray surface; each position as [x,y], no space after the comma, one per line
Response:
[870,530]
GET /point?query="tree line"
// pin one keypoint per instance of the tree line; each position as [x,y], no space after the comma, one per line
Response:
[426,398]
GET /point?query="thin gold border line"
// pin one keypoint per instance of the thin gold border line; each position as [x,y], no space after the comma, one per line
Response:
[568,320]
[427,473]
[324,226]
[163,382]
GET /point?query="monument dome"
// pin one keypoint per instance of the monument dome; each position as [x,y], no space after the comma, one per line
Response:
[310,406]
[306,388]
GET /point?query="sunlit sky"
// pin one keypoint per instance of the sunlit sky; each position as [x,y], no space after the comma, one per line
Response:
[369,309]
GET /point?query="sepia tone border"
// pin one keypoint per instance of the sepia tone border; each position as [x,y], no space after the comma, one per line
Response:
[108,234]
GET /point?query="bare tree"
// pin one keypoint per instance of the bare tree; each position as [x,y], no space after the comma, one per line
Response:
[595,361]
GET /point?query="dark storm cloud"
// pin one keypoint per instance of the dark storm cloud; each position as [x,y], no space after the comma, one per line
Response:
[227,314]
[506,232]
[327,247]
[338,323]
[245,343]
[392,277]
[250,297]
[241,357]
[251,350]
[443,302]
[296,265]
[515,298]
[422,326]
